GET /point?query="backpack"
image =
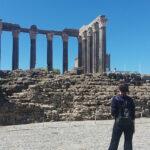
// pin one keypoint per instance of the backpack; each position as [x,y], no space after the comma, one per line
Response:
[124,117]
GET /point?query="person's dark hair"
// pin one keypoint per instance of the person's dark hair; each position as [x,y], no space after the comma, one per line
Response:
[123,88]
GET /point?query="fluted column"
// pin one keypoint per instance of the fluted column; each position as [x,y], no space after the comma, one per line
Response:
[15,52]
[84,51]
[102,46]
[89,51]
[65,52]
[1,27]
[33,31]
[95,49]
[49,51]
[79,51]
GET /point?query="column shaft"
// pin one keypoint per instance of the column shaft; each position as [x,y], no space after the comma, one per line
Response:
[84,55]
[102,50]
[49,52]
[95,29]
[65,52]
[33,53]
[108,62]
[94,53]
[1,27]
[0,52]
[79,52]
[102,46]
[97,51]
[89,53]
[33,46]
[65,56]
[15,52]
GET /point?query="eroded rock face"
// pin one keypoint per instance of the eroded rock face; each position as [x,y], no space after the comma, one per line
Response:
[38,95]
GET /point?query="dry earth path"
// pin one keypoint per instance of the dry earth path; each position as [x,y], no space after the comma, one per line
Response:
[84,135]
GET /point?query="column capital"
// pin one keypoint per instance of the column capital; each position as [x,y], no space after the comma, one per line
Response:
[49,36]
[65,37]
[15,33]
[102,21]
[79,39]
[89,32]
[32,34]
[95,27]
[33,31]
[84,35]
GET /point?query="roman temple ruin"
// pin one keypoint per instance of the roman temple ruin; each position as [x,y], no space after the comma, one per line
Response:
[92,57]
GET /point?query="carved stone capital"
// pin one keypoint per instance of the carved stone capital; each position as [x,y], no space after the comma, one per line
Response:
[15,33]
[32,34]
[89,32]
[49,36]
[84,35]
[79,39]
[95,27]
[65,37]
[102,21]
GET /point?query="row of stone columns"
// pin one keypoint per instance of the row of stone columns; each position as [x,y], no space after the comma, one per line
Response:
[94,47]
[33,34]
[91,47]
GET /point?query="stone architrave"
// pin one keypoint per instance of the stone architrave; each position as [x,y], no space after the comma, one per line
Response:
[32,48]
[89,50]
[84,51]
[49,51]
[102,46]
[65,51]
[79,51]
[15,52]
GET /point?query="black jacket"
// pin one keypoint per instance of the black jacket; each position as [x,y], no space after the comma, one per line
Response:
[117,102]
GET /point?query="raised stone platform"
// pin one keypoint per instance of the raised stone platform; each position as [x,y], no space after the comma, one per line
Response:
[83,135]
[39,95]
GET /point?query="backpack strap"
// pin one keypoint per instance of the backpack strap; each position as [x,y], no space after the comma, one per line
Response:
[122,106]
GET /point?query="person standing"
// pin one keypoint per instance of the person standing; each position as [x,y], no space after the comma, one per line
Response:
[123,110]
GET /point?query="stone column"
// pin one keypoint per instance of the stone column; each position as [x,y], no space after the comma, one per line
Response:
[15,52]
[79,51]
[89,50]
[108,62]
[95,49]
[1,28]
[49,51]
[102,46]
[33,31]
[65,52]
[84,51]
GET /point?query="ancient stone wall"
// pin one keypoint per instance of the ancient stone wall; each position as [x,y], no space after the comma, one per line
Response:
[38,95]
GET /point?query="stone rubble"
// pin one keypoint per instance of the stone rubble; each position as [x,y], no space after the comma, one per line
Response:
[38,96]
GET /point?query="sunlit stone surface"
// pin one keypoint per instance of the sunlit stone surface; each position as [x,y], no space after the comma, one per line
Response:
[84,135]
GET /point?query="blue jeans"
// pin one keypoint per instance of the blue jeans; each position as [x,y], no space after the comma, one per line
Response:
[118,129]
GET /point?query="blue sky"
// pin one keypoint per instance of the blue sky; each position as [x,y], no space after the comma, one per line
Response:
[128,29]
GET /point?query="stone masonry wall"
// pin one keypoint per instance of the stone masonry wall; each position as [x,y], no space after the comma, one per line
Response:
[38,95]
